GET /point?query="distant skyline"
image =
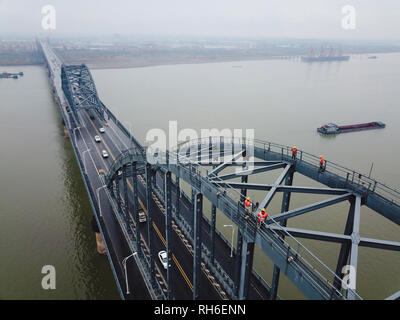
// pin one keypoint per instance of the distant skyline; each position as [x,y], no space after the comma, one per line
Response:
[374,19]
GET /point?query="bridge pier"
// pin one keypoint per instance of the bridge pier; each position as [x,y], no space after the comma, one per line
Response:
[101,248]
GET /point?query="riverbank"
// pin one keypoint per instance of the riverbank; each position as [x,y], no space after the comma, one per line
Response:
[119,63]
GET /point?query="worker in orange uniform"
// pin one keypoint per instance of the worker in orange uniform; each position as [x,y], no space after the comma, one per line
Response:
[262,215]
[247,206]
[294,152]
[321,164]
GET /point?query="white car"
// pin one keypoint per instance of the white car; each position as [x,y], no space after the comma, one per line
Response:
[97,138]
[162,255]
[104,154]
[142,216]
[102,130]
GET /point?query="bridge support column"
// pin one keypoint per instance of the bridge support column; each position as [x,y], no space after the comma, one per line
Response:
[117,194]
[150,174]
[168,231]
[126,200]
[197,245]
[285,207]
[193,207]
[239,243]
[349,249]
[246,269]
[238,261]
[178,196]
[136,207]
[212,231]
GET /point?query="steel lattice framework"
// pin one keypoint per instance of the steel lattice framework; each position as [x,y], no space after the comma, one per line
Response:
[201,163]
[80,90]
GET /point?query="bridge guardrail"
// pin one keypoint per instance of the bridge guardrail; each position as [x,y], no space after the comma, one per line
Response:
[352,176]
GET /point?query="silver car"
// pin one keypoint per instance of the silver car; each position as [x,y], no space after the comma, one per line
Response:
[97,138]
[102,130]
[104,154]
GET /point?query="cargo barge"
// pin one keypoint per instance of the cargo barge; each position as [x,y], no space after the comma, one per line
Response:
[11,75]
[332,128]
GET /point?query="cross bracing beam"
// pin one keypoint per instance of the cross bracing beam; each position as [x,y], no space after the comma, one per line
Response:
[250,172]
[226,163]
[395,296]
[280,188]
[272,191]
[240,163]
[79,89]
[312,207]
[337,238]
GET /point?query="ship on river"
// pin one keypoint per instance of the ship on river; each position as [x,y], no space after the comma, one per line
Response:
[11,75]
[332,128]
[323,58]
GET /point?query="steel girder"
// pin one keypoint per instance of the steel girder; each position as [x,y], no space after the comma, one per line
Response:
[80,90]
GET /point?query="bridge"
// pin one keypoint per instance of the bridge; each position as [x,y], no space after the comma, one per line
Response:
[199,264]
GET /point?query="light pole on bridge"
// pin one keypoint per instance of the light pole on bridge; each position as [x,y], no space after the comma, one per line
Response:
[126,273]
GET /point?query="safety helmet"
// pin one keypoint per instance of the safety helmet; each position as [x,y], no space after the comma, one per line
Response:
[320,157]
[263,209]
[248,198]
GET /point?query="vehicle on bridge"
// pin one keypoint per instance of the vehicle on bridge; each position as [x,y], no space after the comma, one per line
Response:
[162,255]
[102,130]
[104,153]
[142,216]
[97,138]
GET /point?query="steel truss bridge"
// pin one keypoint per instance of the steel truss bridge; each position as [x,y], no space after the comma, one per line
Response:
[199,266]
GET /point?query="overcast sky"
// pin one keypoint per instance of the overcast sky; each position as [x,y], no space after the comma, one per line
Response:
[375,19]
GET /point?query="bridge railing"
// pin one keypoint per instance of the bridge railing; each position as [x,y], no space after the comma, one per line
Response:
[351,176]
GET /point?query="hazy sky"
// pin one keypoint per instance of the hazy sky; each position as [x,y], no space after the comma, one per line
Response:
[375,19]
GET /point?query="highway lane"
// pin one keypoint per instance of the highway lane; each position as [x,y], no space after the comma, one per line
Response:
[257,290]
[182,258]
[108,144]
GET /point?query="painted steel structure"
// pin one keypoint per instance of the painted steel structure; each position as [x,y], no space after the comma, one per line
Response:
[207,165]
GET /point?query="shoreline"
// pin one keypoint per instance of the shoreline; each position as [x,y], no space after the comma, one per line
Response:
[119,63]
[144,64]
